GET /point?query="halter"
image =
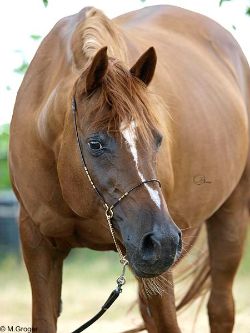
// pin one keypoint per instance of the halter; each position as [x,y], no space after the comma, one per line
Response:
[109,215]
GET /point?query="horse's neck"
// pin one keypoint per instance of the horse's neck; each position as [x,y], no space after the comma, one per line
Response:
[53,114]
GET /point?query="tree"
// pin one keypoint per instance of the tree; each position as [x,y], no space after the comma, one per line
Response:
[247,9]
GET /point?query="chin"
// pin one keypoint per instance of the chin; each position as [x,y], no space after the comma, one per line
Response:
[148,273]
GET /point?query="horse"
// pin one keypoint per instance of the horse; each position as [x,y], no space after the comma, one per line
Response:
[159,92]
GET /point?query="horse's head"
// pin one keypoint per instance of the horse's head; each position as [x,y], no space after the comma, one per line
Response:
[119,137]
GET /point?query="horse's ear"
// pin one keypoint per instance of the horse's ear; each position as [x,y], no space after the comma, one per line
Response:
[97,70]
[144,68]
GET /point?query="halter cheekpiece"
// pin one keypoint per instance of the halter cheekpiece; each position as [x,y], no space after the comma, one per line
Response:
[109,215]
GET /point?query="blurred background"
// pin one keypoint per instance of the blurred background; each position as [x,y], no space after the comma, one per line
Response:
[88,276]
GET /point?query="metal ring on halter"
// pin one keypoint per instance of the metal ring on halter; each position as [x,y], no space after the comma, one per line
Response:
[109,211]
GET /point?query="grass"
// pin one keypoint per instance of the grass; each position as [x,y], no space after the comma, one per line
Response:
[4,143]
[244,269]
[89,277]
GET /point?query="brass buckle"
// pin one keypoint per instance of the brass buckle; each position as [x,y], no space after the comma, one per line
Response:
[108,211]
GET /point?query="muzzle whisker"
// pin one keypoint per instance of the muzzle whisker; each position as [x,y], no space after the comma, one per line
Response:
[156,286]
[189,228]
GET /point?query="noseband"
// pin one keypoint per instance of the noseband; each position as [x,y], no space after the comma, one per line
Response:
[109,214]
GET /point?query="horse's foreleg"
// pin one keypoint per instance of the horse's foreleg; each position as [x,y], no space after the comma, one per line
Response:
[226,234]
[158,311]
[44,265]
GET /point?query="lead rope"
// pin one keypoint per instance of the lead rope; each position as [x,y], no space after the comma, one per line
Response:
[120,281]
[109,215]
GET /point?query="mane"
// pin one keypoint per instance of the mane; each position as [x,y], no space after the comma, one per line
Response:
[122,98]
[98,31]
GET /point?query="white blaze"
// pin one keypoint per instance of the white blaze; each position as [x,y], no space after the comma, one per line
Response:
[129,135]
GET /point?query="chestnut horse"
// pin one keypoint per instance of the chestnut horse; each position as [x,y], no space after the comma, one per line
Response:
[189,127]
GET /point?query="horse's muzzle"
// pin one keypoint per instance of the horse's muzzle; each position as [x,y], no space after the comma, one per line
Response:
[155,253]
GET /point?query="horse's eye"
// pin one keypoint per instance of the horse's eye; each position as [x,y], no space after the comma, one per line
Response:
[159,139]
[95,145]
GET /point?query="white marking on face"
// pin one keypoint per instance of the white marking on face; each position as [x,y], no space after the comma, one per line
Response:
[154,194]
[129,135]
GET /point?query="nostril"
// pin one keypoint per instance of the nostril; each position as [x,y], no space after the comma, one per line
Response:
[150,248]
[148,243]
[179,247]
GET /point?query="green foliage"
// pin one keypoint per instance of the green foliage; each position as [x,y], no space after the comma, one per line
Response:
[247,10]
[35,37]
[221,2]
[4,146]
[22,68]
[45,2]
